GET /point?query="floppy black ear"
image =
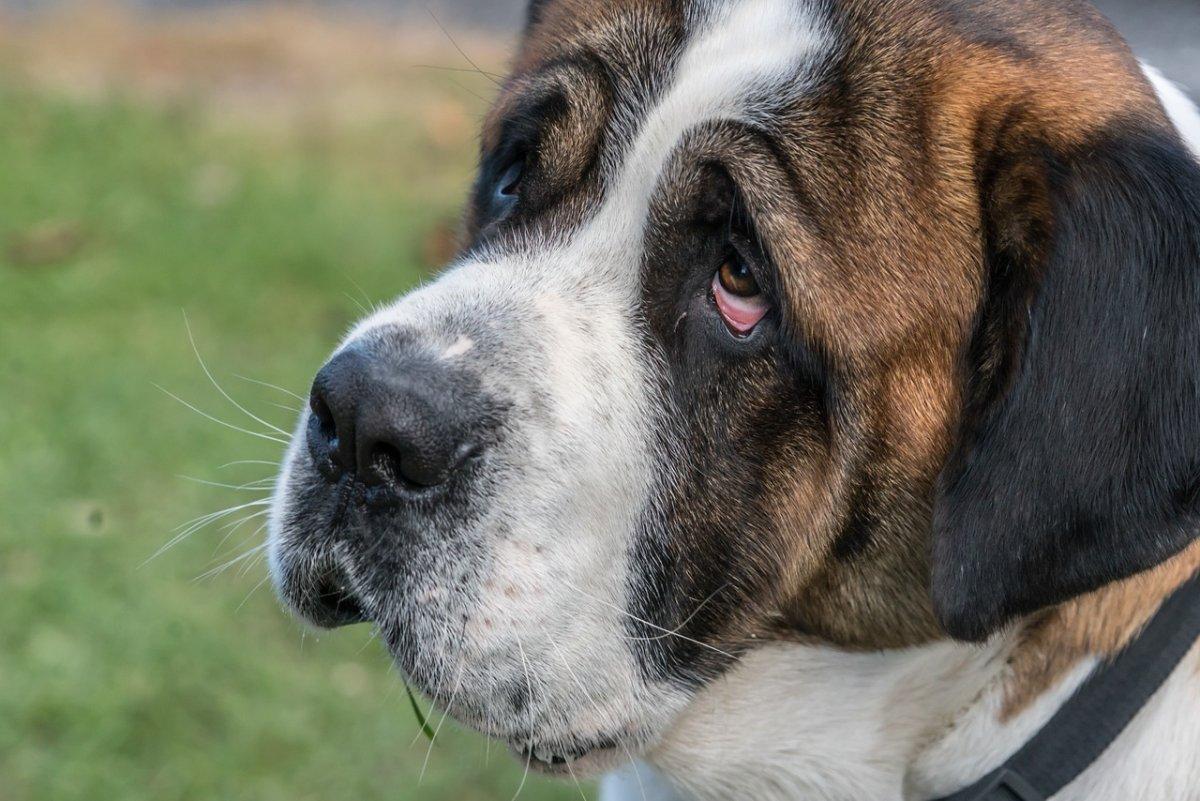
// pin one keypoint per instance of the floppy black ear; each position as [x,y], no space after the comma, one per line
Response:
[1078,460]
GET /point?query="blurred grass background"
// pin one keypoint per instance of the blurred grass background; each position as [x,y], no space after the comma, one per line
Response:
[269,171]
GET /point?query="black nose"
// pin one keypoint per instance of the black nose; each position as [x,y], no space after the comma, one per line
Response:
[406,424]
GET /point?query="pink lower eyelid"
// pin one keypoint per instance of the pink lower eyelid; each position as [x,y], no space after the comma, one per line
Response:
[740,314]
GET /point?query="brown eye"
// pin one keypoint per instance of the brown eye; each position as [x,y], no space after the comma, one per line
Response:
[736,278]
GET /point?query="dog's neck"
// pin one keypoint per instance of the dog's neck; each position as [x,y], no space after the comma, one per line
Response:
[810,722]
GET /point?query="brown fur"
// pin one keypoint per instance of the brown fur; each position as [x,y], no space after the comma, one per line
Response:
[1099,624]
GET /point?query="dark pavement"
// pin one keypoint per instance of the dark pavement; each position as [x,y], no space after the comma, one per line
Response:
[1164,32]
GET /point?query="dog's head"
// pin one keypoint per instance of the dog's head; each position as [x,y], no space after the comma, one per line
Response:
[854,320]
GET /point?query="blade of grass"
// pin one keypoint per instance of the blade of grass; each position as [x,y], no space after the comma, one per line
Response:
[426,729]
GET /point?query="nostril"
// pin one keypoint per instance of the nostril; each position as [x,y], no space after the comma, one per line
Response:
[407,467]
[323,437]
[386,465]
[324,416]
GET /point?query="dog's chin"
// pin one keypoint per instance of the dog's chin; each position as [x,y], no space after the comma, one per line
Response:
[323,588]
[552,752]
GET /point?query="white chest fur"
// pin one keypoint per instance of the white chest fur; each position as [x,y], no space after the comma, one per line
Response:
[799,722]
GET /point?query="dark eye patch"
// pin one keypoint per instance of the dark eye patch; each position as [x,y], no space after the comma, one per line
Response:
[698,225]
[501,189]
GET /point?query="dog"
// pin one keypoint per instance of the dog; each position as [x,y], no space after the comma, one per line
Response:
[813,406]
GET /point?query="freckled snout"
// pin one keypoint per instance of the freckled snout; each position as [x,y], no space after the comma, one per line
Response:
[399,422]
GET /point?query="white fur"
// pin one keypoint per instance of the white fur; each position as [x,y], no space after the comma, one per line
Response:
[801,722]
[798,722]
[1180,108]
[461,345]
[1158,757]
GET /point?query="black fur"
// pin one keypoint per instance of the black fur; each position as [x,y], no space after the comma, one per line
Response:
[862,522]
[1079,453]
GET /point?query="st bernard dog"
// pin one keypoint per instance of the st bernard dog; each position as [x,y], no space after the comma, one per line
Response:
[814,404]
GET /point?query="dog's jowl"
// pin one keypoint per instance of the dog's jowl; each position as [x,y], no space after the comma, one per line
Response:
[813,405]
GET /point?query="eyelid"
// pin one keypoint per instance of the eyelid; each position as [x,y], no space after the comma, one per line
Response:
[523,129]
[509,154]
[510,176]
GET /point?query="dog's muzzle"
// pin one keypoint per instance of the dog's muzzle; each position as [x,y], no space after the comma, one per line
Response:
[470,476]
[392,432]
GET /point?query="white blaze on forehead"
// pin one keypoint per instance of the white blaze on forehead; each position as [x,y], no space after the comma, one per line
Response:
[749,51]
[748,55]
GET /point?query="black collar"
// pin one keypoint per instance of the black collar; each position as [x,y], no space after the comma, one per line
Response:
[1099,710]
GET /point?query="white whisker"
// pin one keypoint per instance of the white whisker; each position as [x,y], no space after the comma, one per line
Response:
[224,394]
[370,639]
[637,774]
[221,568]
[443,667]
[232,528]
[361,308]
[218,421]
[200,522]
[567,665]
[675,631]
[223,512]
[249,380]
[445,713]
[253,590]
[371,306]
[266,462]
[258,485]
[529,708]
[195,525]
[578,786]
[487,741]
[258,558]
[632,616]
[591,700]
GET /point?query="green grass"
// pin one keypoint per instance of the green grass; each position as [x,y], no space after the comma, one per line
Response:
[124,680]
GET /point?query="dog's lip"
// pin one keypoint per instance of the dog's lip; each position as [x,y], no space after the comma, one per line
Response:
[561,757]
